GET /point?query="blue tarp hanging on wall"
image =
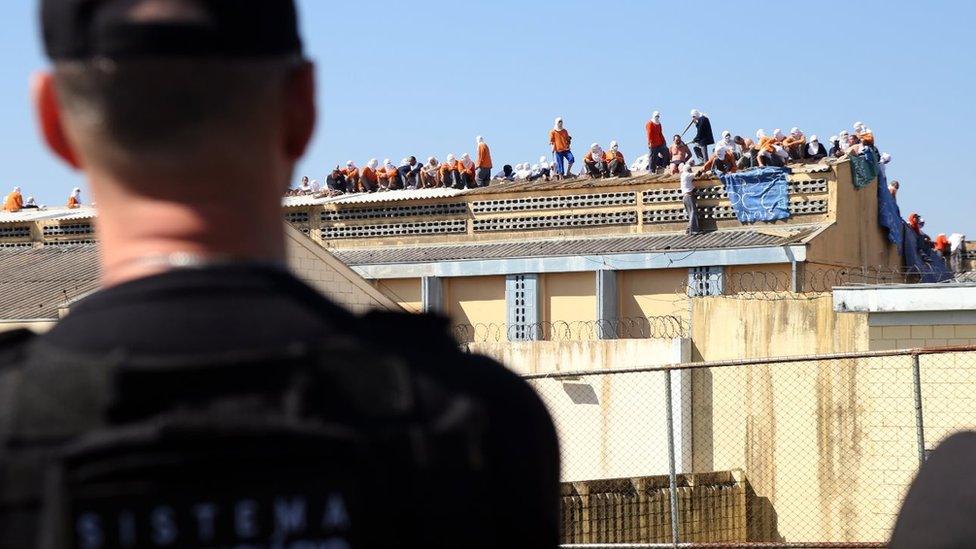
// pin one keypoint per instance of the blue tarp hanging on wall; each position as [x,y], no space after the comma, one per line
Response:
[759,195]
[922,260]
[889,215]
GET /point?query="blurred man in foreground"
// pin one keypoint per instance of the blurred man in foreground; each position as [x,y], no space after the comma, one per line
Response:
[205,397]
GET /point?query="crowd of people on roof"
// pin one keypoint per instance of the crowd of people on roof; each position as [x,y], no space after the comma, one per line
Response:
[14,201]
[703,153]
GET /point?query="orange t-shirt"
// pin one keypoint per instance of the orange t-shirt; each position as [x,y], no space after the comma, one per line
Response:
[350,172]
[484,156]
[467,168]
[866,138]
[790,140]
[766,144]
[369,174]
[14,202]
[559,139]
[655,135]
[609,156]
[589,157]
[73,202]
[449,166]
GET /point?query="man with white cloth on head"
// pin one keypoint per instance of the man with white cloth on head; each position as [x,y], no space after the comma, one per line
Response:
[688,198]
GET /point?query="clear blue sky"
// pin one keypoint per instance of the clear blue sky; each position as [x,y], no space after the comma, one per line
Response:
[425,77]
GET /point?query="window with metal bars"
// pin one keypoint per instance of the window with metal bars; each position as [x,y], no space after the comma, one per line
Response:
[705,281]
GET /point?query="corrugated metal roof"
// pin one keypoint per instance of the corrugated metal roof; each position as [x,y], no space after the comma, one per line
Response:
[308,200]
[397,196]
[35,282]
[580,246]
[48,214]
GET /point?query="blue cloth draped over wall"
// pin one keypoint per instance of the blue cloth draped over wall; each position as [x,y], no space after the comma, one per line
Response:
[759,195]
[918,257]
[889,215]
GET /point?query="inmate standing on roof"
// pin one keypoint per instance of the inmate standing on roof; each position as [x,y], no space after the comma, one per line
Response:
[205,396]
[660,157]
[560,141]
[484,162]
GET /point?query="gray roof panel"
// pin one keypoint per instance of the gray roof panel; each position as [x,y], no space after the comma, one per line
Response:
[724,239]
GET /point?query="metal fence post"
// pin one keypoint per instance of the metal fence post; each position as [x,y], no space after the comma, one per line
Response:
[672,475]
[919,425]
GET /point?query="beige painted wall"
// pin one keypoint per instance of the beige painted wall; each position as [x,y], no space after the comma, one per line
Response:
[405,291]
[728,328]
[476,300]
[884,338]
[569,297]
[855,238]
[320,269]
[797,430]
[609,426]
[647,293]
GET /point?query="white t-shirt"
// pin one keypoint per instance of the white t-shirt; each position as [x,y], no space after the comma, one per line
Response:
[687,182]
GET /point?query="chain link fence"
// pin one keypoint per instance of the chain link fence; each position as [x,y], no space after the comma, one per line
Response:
[811,451]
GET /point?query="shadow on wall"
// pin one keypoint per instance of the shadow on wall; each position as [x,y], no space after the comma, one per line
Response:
[581,393]
[761,518]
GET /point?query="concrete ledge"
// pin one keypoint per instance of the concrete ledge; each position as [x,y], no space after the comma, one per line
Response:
[905,298]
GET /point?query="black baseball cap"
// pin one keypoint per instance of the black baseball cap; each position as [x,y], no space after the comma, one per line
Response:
[77,30]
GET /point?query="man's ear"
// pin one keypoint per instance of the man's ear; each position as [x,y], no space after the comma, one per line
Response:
[300,112]
[48,113]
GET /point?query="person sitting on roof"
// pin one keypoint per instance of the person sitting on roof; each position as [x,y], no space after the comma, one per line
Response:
[795,144]
[748,156]
[561,141]
[14,201]
[864,134]
[542,170]
[467,172]
[688,198]
[336,181]
[369,179]
[450,173]
[942,246]
[31,204]
[616,164]
[430,174]
[893,187]
[679,152]
[721,162]
[779,138]
[916,223]
[595,162]
[304,187]
[656,145]
[507,173]
[409,171]
[389,176]
[703,134]
[836,150]
[767,150]
[815,149]
[727,142]
[883,164]
[957,251]
[522,171]
[74,200]
[351,174]
[845,142]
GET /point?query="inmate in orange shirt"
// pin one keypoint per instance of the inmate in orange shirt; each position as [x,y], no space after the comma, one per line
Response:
[484,156]
[559,139]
